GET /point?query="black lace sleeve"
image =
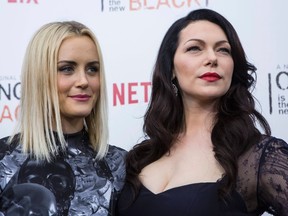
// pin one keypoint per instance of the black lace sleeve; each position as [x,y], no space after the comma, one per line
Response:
[273,177]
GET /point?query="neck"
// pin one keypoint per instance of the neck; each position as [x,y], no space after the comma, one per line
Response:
[72,125]
[199,119]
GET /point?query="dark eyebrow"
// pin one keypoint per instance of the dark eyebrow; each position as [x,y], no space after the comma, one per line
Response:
[74,63]
[94,63]
[67,62]
[198,40]
[201,41]
[222,42]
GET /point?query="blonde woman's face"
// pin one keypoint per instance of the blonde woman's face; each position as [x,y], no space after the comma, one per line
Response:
[78,80]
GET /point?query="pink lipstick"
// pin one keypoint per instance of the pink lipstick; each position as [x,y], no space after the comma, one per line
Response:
[81,97]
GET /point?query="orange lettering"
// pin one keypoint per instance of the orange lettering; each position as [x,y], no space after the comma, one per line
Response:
[135,5]
[6,114]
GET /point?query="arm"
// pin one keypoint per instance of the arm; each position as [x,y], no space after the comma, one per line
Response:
[273,177]
[4,148]
[115,160]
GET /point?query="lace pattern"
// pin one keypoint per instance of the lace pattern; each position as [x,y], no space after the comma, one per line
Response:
[263,177]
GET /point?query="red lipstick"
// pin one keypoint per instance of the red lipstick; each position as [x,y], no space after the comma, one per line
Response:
[210,76]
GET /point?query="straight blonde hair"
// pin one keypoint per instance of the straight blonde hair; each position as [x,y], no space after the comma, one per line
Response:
[40,115]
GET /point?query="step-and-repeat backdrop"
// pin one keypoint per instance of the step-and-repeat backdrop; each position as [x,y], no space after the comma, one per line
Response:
[130,32]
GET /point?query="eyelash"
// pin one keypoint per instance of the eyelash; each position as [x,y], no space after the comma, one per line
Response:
[65,69]
[94,68]
[193,48]
[70,69]
[197,48]
[226,50]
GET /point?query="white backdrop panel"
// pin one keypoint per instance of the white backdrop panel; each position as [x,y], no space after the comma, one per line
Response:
[130,32]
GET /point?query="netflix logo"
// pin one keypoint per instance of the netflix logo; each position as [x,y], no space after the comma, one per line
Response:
[131,93]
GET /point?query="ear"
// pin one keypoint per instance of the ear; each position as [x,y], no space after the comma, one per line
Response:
[173,75]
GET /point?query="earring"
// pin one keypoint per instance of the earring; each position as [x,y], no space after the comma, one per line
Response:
[175,89]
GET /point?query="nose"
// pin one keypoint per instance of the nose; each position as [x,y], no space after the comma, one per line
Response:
[211,58]
[82,80]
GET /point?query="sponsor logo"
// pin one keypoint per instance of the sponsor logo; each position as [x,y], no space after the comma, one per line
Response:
[131,93]
[23,1]
[278,90]
[140,5]
[9,94]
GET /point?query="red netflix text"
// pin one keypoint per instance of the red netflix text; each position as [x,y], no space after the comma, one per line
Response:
[131,93]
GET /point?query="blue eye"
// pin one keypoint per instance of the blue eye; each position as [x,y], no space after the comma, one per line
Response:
[93,69]
[66,69]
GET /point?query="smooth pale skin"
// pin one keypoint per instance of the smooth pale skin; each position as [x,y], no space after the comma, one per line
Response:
[78,81]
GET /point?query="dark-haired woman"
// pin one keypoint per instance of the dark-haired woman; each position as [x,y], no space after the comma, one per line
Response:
[204,154]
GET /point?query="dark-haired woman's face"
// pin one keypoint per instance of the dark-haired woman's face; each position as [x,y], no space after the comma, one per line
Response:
[203,63]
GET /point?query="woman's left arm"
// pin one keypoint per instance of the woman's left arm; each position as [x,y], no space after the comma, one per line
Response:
[273,177]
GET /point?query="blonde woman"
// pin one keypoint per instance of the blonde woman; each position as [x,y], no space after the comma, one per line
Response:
[58,161]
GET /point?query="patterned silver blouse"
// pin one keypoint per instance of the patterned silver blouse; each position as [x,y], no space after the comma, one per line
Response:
[73,184]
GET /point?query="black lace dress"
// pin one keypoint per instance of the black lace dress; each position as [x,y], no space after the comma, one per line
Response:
[262,186]
[73,184]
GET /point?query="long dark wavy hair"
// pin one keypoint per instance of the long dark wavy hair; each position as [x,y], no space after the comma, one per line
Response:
[234,130]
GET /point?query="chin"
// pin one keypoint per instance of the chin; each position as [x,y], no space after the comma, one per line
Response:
[81,114]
